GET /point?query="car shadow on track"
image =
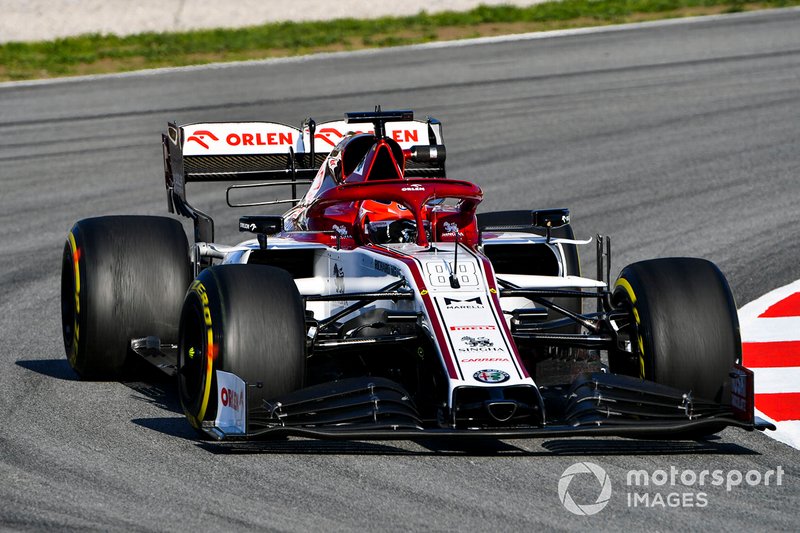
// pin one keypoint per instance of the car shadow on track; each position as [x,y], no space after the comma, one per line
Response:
[53,368]
[479,448]
[302,446]
[712,445]
[162,394]
[170,426]
[154,387]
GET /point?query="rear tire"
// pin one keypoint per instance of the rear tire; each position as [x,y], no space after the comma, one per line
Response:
[684,328]
[245,319]
[122,277]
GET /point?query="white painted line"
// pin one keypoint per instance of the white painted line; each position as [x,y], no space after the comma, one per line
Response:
[441,44]
[776,380]
[750,312]
[788,432]
[780,379]
[770,329]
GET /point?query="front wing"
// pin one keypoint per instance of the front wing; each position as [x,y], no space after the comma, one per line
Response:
[370,408]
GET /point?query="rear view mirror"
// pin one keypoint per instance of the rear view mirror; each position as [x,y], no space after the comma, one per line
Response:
[550,218]
[266,224]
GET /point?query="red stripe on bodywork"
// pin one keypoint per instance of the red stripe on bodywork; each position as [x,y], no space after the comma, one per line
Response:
[428,302]
[490,281]
[770,354]
[789,306]
[779,406]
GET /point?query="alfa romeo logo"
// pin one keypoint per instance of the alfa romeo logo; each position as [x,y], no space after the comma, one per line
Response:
[491,376]
[602,478]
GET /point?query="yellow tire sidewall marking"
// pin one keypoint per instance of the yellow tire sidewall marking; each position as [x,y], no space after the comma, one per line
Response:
[622,282]
[198,288]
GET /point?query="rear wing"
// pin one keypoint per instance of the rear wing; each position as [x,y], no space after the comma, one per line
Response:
[274,153]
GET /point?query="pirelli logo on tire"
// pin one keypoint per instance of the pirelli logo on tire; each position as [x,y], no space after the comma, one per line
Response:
[200,289]
[211,350]
[622,282]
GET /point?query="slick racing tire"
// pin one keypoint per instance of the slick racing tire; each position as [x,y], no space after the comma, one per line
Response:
[684,328]
[122,277]
[248,320]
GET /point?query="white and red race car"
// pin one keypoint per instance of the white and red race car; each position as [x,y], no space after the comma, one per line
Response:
[381,305]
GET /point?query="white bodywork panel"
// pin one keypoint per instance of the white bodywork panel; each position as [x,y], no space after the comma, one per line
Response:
[240,138]
[231,404]
[469,329]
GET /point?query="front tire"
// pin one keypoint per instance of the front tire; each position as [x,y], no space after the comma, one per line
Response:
[122,277]
[248,320]
[684,328]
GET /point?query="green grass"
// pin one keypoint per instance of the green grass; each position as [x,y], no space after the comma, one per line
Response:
[88,54]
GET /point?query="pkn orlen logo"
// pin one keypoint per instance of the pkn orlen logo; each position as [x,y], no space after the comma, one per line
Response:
[200,137]
[600,477]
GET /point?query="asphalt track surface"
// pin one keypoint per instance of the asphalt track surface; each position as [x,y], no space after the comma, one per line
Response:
[675,140]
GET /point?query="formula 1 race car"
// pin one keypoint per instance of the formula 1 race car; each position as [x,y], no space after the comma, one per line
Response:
[382,306]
